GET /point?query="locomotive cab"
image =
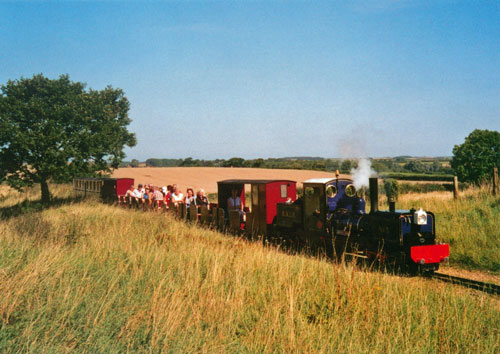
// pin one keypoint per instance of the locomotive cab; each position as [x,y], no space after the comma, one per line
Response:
[310,218]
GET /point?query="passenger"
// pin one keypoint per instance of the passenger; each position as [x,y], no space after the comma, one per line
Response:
[157,197]
[167,196]
[130,195]
[189,197]
[234,203]
[138,192]
[176,197]
[201,199]
[146,201]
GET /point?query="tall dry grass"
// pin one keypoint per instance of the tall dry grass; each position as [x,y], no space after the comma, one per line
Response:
[95,278]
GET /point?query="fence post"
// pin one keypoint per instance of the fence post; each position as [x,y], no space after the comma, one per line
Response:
[495,181]
[455,187]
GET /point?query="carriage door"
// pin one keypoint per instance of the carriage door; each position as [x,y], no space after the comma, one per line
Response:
[259,208]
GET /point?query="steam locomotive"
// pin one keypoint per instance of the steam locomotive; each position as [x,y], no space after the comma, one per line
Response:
[331,214]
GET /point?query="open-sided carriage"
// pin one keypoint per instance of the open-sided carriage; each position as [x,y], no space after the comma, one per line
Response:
[259,199]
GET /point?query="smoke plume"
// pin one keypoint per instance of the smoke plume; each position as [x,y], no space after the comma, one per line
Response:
[362,173]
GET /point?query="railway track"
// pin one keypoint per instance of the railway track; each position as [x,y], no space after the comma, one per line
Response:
[469,283]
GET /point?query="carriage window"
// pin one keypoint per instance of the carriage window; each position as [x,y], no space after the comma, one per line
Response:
[350,190]
[331,191]
[284,193]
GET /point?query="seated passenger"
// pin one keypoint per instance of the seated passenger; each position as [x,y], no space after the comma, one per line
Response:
[234,202]
[189,197]
[176,197]
[201,199]
[157,197]
[138,192]
[166,199]
[146,200]
[130,195]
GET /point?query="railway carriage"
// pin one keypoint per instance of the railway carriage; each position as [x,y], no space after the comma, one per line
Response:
[108,189]
[260,210]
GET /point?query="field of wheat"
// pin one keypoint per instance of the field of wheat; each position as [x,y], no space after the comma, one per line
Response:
[91,277]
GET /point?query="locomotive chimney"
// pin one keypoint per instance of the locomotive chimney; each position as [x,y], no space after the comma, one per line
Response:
[373,194]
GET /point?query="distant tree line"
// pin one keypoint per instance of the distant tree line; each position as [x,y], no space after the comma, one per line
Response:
[403,164]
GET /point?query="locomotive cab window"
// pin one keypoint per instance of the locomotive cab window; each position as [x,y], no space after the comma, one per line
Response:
[331,191]
[350,190]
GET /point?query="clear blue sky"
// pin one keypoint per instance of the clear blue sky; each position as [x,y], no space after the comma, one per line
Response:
[272,79]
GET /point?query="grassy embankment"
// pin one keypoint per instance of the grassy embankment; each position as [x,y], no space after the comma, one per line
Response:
[96,278]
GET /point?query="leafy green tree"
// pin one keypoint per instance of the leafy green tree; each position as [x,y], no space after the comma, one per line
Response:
[474,160]
[134,163]
[391,187]
[415,166]
[258,163]
[54,130]
[234,162]
[346,166]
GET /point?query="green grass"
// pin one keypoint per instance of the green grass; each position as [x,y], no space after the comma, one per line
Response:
[95,278]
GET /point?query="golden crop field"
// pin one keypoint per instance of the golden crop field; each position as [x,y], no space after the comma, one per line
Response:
[207,177]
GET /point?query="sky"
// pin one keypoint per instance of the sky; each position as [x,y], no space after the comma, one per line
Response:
[220,79]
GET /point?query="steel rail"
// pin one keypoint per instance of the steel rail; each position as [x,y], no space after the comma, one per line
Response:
[469,283]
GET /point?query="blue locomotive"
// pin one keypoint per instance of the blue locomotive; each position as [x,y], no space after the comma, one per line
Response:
[331,214]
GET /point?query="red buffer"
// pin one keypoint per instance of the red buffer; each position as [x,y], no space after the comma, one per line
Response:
[430,254]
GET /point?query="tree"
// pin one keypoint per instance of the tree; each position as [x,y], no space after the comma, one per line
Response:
[54,130]
[415,166]
[345,166]
[134,163]
[234,162]
[474,160]
[391,187]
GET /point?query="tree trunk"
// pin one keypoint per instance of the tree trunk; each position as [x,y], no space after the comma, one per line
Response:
[45,192]
[495,181]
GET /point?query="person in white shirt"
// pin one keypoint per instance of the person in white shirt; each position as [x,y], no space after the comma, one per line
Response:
[138,192]
[189,197]
[176,197]
[234,203]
